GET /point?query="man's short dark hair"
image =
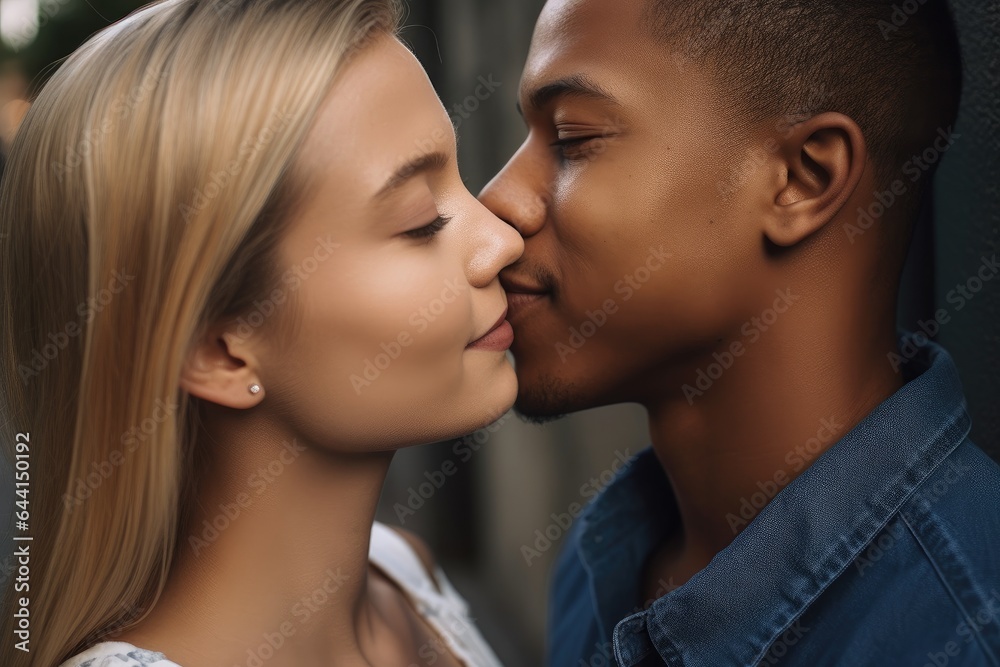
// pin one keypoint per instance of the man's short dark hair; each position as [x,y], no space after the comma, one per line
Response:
[877,61]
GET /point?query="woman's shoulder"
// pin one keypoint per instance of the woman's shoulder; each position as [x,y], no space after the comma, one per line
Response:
[416,543]
[402,556]
[118,654]
[406,559]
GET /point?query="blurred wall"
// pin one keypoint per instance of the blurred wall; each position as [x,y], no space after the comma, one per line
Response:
[967,216]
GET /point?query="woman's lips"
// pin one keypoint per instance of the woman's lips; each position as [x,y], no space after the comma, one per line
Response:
[497,339]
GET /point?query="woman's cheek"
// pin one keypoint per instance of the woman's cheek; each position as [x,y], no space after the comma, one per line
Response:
[415,334]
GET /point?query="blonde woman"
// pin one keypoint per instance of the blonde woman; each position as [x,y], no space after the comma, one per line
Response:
[239,269]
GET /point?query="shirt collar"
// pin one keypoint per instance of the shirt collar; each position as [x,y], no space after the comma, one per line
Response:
[620,528]
[812,529]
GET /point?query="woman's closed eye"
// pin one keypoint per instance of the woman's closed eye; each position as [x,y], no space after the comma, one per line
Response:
[428,231]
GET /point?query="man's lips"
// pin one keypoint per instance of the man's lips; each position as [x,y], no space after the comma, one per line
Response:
[499,338]
[519,285]
[522,293]
[518,301]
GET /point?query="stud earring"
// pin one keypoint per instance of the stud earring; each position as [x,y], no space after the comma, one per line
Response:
[255,388]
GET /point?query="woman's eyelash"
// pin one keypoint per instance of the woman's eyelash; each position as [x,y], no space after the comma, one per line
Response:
[428,231]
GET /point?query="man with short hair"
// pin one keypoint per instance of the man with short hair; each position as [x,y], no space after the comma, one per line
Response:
[716,199]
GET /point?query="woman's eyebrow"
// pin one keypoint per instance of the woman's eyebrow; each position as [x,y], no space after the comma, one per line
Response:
[418,165]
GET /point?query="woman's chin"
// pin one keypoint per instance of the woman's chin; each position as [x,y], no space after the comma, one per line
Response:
[508,383]
[498,394]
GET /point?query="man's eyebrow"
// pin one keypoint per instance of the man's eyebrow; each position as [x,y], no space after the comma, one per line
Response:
[578,85]
[418,165]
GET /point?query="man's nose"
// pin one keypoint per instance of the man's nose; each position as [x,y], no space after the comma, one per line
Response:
[519,195]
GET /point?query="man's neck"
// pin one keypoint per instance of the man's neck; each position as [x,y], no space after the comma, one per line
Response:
[791,395]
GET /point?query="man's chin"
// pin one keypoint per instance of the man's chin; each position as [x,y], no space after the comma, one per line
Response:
[544,400]
[532,417]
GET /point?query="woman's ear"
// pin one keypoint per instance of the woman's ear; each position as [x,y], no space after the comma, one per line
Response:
[221,368]
[822,159]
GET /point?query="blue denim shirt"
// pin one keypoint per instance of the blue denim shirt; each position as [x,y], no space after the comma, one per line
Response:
[885,551]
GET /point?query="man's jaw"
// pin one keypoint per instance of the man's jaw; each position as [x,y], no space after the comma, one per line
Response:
[536,419]
[544,399]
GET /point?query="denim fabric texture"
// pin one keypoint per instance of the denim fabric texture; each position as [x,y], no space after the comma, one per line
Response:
[884,551]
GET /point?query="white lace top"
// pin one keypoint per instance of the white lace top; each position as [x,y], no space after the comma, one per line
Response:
[445,610]
[117,654]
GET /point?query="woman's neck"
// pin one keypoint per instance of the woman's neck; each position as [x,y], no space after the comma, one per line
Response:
[273,565]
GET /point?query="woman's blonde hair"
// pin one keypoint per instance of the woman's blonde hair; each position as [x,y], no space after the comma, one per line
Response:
[144,196]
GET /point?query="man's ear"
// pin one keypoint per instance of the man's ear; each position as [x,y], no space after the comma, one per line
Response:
[821,160]
[221,368]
